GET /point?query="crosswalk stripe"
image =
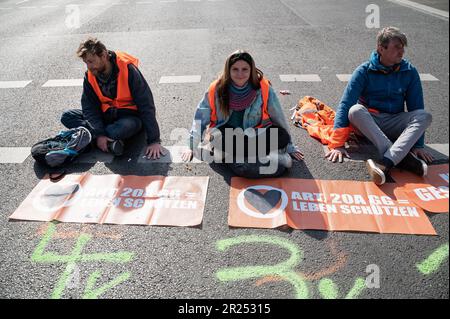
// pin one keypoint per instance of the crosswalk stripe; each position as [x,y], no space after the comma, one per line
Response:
[63,82]
[344,77]
[195,79]
[423,77]
[173,156]
[14,154]
[13,84]
[10,155]
[180,79]
[94,156]
[427,77]
[300,78]
[441,148]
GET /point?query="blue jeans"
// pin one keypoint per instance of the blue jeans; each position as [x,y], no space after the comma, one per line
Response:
[121,129]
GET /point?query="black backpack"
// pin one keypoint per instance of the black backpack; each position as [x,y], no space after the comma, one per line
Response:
[63,148]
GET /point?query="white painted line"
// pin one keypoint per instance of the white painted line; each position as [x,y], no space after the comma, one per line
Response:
[5,8]
[423,77]
[168,1]
[300,78]
[96,4]
[441,148]
[427,77]
[180,79]
[63,82]
[14,154]
[95,156]
[192,0]
[344,77]
[27,7]
[45,7]
[422,8]
[145,2]
[173,156]
[22,1]
[13,84]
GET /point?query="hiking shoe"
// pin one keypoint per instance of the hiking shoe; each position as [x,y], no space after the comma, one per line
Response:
[377,172]
[116,147]
[413,164]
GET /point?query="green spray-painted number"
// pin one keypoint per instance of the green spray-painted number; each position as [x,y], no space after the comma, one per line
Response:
[329,290]
[433,262]
[39,255]
[284,269]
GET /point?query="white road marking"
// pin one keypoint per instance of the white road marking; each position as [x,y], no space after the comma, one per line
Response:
[14,154]
[423,8]
[427,77]
[173,156]
[423,77]
[95,156]
[63,82]
[441,148]
[344,77]
[300,78]
[180,79]
[13,84]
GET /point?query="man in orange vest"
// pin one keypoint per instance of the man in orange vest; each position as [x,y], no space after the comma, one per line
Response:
[116,101]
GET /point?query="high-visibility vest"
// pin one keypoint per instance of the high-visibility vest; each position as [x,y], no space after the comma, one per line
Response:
[123,99]
[265,118]
[318,119]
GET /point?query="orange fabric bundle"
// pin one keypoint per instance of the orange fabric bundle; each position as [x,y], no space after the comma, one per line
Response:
[318,119]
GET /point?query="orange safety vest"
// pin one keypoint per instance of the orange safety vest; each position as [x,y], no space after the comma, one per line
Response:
[318,119]
[265,118]
[123,99]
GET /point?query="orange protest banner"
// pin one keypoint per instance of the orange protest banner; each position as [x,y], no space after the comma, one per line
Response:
[429,192]
[323,205]
[116,199]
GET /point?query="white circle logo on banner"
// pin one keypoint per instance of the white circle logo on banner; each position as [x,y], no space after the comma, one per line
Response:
[258,214]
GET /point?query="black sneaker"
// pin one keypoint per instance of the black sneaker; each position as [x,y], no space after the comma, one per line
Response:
[377,172]
[116,147]
[413,164]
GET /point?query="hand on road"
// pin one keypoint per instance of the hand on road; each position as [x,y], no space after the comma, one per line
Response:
[337,154]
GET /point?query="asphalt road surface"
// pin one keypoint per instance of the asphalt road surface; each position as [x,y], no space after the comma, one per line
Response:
[38,40]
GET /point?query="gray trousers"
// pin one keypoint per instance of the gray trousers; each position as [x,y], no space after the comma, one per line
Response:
[393,135]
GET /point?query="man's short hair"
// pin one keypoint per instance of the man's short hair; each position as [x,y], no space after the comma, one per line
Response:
[92,46]
[389,33]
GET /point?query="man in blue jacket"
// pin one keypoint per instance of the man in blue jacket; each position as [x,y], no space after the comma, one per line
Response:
[373,103]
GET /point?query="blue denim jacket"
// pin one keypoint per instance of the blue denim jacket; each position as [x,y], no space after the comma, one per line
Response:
[252,117]
[376,87]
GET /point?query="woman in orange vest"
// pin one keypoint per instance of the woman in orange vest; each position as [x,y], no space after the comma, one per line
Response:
[243,122]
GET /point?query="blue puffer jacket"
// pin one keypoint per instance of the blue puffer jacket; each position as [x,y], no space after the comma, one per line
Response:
[380,88]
